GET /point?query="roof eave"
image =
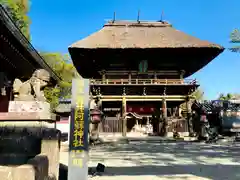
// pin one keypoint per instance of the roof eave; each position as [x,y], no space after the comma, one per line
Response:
[15,31]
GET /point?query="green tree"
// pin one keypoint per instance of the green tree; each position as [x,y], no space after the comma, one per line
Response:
[229,96]
[18,11]
[226,97]
[198,94]
[221,97]
[235,39]
[236,96]
[61,66]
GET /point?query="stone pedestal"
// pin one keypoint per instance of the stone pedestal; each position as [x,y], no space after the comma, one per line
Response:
[40,108]
[29,142]
[35,169]
[20,146]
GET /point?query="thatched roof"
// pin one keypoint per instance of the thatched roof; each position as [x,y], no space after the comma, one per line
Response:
[123,44]
[63,108]
[125,34]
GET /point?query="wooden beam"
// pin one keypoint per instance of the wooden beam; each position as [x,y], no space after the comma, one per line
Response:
[164,109]
[189,116]
[180,100]
[145,97]
[124,119]
[150,72]
[39,62]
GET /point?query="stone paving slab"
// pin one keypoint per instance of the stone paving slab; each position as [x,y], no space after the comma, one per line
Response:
[174,160]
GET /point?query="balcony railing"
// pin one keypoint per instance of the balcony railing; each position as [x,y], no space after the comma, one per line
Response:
[144,81]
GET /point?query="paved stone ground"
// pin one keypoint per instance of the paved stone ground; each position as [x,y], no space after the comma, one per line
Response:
[151,160]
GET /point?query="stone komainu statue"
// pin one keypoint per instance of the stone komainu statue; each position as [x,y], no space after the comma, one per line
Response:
[32,89]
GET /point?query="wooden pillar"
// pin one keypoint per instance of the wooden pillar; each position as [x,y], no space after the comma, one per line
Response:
[155,75]
[179,111]
[164,111]
[175,112]
[189,116]
[98,91]
[182,72]
[147,121]
[155,78]
[103,76]
[124,119]
[129,77]
[3,88]
[1,79]
[124,91]
[164,107]
[144,91]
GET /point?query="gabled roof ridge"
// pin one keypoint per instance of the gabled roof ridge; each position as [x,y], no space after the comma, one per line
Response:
[130,23]
[143,35]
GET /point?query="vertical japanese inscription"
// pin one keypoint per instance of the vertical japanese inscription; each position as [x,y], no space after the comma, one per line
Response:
[78,132]
[78,137]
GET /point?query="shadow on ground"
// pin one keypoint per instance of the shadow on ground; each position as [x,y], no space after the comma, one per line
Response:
[166,159]
[63,172]
[206,171]
[203,171]
[212,161]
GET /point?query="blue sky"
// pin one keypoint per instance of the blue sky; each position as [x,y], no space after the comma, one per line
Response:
[56,24]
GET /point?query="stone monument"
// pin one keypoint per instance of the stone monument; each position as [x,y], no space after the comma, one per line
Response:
[27,133]
[29,97]
[32,89]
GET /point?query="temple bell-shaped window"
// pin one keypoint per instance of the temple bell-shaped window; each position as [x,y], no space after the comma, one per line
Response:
[143,66]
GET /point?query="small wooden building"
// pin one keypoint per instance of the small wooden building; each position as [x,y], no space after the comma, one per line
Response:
[140,66]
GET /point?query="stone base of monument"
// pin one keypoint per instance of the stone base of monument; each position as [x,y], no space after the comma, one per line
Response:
[35,167]
[29,144]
